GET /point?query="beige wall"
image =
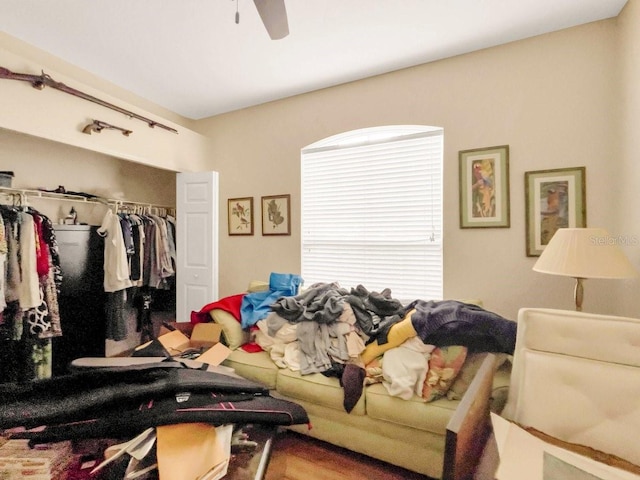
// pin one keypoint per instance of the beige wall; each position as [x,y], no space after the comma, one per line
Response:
[39,163]
[57,116]
[559,100]
[626,191]
[551,99]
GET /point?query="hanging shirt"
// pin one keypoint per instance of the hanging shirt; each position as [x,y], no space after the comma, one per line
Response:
[151,269]
[163,253]
[4,248]
[136,261]
[12,283]
[29,289]
[3,260]
[42,249]
[116,266]
[171,229]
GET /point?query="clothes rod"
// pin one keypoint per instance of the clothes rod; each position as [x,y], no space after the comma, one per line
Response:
[69,197]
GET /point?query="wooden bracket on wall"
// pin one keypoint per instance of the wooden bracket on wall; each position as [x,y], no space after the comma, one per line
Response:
[44,80]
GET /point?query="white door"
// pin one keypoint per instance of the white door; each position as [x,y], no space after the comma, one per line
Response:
[197,242]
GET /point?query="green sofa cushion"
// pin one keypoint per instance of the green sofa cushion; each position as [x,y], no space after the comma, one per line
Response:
[415,412]
[316,388]
[256,366]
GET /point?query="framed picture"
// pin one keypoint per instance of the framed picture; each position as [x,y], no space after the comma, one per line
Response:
[240,215]
[554,199]
[276,215]
[484,187]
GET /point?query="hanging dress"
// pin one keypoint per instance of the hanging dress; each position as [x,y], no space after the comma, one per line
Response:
[116,276]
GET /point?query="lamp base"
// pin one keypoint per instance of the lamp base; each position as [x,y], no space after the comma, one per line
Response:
[578,294]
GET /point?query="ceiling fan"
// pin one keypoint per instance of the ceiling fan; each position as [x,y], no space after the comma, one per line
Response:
[274,17]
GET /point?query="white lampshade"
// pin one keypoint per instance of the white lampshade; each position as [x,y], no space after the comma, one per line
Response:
[584,253]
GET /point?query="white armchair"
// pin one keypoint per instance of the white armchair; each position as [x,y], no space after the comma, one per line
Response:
[576,377]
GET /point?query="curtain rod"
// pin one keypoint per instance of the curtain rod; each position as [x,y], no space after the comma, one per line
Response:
[109,202]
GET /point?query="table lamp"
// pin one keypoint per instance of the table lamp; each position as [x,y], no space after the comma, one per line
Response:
[584,253]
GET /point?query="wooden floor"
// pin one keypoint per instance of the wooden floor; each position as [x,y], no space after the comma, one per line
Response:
[298,457]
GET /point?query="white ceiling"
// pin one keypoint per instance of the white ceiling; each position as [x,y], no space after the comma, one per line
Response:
[190,57]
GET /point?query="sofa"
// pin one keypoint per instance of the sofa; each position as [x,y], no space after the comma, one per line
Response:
[407,432]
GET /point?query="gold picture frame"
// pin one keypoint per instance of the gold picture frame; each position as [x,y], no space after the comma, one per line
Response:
[240,216]
[484,187]
[276,215]
[555,199]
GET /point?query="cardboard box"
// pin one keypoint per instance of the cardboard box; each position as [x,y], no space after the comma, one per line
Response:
[179,337]
[528,454]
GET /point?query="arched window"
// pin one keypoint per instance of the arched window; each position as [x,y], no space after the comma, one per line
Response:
[372,210]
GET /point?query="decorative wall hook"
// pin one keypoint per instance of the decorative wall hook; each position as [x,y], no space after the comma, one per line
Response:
[97,126]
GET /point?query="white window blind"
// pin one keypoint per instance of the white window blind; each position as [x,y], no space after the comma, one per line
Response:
[372,211]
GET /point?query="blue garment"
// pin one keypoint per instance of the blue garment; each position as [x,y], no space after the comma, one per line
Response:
[449,322]
[256,306]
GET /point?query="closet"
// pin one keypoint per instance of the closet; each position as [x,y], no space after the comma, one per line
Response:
[72,315]
[29,286]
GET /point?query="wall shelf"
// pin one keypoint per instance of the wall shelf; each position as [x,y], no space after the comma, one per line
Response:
[20,196]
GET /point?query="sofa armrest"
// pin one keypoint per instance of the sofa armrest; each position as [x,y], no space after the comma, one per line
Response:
[470,425]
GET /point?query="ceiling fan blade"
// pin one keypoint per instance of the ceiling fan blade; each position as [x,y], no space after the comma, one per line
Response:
[274,16]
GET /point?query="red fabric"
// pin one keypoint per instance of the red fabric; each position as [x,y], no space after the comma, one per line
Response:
[251,347]
[228,304]
[42,249]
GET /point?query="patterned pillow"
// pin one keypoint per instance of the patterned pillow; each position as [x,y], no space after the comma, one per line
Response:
[469,369]
[444,365]
[373,371]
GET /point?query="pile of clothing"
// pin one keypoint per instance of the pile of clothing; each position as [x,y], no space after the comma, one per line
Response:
[333,330]
[119,402]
